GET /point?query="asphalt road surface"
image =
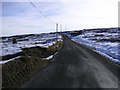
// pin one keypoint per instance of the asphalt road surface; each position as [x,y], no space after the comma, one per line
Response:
[76,66]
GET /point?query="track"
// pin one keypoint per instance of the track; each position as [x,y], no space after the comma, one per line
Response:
[76,66]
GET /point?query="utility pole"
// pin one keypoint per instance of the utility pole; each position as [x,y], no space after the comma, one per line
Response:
[56,31]
[60,28]
[56,27]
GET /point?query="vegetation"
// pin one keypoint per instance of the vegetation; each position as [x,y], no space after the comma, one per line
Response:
[55,47]
[6,57]
[21,69]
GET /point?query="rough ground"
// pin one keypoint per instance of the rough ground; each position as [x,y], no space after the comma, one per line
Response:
[76,66]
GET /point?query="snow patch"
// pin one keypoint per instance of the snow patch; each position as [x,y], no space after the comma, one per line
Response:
[109,46]
[5,61]
[42,40]
[50,57]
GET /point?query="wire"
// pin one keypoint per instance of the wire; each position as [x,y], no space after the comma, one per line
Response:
[41,12]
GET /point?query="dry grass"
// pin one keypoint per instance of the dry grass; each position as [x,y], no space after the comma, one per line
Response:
[21,69]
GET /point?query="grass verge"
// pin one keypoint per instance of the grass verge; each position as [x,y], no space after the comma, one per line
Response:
[16,72]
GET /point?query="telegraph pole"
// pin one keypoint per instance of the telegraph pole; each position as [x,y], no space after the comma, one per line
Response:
[56,31]
[60,28]
[56,27]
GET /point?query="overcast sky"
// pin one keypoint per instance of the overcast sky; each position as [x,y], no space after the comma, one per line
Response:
[22,18]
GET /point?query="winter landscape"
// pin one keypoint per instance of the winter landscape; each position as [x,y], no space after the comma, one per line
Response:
[105,41]
[60,44]
[26,41]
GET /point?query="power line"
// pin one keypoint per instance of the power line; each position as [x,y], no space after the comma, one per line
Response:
[45,16]
[41,12]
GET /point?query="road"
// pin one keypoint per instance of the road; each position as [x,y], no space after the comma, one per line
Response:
[76,66]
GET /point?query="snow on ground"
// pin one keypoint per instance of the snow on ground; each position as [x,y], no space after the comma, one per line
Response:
[105,43]
[27,41]
[48,58]
[5,61]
